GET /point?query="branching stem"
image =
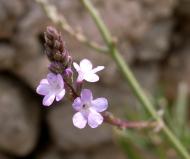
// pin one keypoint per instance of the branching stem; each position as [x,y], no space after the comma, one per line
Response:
[128,75]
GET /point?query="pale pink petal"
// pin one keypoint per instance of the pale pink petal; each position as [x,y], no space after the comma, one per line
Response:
[100,104]
[52,78]
[60,81]
[94,119]
[76,66]
[85,65]
[44,81]
[80,77]
[86,95]
[77,104]
[48,100]
[90,77]
[99,68]
[79,120]
[60,95]
[43,89]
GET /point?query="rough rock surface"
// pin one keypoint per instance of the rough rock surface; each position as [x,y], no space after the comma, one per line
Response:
[50,153]
[177,70]
[7,55]
[108,152]
[18,118]
[9,16]
[3,156]
[104,151]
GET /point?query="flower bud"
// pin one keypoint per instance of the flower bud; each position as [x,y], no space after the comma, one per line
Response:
[56,67]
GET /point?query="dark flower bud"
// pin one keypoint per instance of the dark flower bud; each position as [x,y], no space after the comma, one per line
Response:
[52,33]
[56,51]
[57,67]
[68,73]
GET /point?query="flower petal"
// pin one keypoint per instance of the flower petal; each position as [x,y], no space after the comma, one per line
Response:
[79,120]
[99,68]
[48,100]
[100,104]
[76,66]
[52,78]
[80,77]
[60,95]
[77,104]
[43,89]
[85,65]
[91,77]
[60,81]
[94,119]
[44,81]
[86,95]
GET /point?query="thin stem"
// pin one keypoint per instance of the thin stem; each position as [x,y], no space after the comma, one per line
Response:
[128,75]
[72,93]
[54,16]
[123,124]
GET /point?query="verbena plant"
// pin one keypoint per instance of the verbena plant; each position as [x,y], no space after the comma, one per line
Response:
[60,81]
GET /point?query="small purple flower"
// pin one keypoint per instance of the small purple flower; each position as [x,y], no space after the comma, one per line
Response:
[51,88]
[85,71]
[88,110]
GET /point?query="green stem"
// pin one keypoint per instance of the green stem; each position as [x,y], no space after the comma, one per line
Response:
[128,75]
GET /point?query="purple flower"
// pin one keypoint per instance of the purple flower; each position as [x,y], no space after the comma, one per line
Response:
[88,110]
[85,71]
[51,88]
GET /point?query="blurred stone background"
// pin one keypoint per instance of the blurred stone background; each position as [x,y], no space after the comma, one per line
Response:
[153,36]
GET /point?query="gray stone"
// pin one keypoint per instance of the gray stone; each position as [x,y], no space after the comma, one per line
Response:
[109,151]
[50,153]
[183,8]
[155,43]
[19,118]
[79,155]
[159,9]
[9,14]
[31,62]
[7,55]
[177,70]
[32,70]
[27,46]
[3,156]
[30,22]
[148,76]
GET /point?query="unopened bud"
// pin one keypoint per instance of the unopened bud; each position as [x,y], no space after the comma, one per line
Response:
[56,67]
[68,75]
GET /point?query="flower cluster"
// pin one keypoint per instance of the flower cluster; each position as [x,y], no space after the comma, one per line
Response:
[60,81]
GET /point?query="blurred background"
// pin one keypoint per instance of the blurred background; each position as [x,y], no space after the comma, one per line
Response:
[153,37]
